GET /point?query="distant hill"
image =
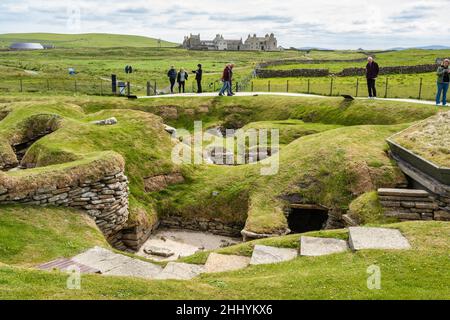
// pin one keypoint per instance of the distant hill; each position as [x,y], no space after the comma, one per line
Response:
[432,47]
[88,40]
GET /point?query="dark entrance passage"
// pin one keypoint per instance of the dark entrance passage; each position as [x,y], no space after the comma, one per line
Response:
[305,217]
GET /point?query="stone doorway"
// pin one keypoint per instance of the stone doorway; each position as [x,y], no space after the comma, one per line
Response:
[307,217]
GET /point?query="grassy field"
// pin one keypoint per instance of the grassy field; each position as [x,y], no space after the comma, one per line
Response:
[413,274]
[398,86]
[88,40]
[47,71]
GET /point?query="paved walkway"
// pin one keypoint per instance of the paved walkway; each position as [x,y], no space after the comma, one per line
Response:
[282,94]
[107,262]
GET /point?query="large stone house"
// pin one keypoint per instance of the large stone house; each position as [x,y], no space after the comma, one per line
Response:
[219,43]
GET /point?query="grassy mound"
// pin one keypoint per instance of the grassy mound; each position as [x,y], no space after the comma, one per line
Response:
[429,139]
[77,146]
[412,274]
[89,40]
[31,235]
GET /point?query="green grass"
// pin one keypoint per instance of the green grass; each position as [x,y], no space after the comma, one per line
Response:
[413,274]
[88,40]
[425,139]
[34,235]
[398,86]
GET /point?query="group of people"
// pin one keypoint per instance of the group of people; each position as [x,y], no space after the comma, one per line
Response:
[182,76]
[443,80]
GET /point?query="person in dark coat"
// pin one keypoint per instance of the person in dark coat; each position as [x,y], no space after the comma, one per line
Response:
[181,79]
[372,70]
[198,77]
[172,74]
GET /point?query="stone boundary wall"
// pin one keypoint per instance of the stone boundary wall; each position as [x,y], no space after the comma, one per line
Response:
[104,199]
[348,72]
[304,61]
[265,73]
[409,204]
[210,225]
[423,68]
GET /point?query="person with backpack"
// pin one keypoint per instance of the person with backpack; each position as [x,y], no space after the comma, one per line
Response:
[372,70]
[226,79]
[443,82]
[181,79]
[172,74]
[198,77]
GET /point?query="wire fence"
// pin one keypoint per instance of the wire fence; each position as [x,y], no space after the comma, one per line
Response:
[386,87]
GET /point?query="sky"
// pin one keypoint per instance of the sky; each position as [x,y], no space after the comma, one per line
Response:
[340,24]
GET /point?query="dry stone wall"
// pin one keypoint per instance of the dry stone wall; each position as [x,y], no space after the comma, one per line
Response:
[407,204]
[348,72]
[210,225]
[104,199]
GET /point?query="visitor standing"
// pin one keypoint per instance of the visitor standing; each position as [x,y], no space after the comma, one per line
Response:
[181,79]
[172,74]
[372,70]
[443,82]
[226,78]
[198,77]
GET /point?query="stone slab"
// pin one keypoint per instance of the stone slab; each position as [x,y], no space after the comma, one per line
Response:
[403,192]
[136,268]
[268,255]
[223,263]
[111,263]
[180,271]
[313,247]
[376,238]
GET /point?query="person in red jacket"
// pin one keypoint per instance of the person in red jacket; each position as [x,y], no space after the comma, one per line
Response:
[226,79]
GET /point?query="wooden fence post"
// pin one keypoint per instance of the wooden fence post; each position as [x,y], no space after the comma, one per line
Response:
[386,91]
[155,89]
[287,85]
[252,86]
[357,87]
[420,88]
[268,85]
[148,88]
[76,87]
[309,86]
[128,88]
[21,85]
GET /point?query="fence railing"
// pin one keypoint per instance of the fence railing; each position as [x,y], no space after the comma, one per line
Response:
[386,87]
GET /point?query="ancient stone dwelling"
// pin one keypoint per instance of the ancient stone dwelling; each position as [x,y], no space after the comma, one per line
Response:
[219,43]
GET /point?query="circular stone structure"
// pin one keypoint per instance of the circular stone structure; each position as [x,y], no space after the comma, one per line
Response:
[26,46]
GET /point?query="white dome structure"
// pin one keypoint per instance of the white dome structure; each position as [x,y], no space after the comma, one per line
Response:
[26,46]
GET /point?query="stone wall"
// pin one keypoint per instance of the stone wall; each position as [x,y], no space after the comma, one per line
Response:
[411,204]
[210,225]
[348,72]
[304,61]
[104,199]
[425,68]
[267,73]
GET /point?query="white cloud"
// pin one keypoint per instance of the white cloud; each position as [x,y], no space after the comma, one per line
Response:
[325,23]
